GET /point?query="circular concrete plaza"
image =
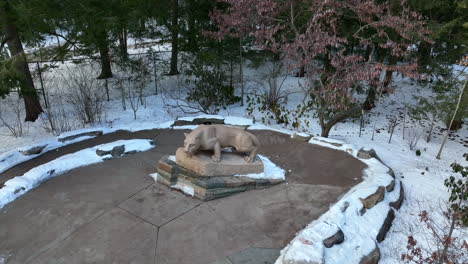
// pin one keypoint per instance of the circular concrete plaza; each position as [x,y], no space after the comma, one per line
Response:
[114,212]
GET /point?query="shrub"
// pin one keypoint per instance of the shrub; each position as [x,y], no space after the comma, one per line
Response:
[278,112]
[418,152]
[209,90]
[447,247]
[85,94]
[11,112]
[458,189]
[56,119]
[413,137]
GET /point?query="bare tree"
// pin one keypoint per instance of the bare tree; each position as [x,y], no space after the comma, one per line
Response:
[121,86]
[133,97]
[133,92]
[442,230]
[11,112]
[56,118]
[412,137]
[275,93]
[392,124]
[85,93]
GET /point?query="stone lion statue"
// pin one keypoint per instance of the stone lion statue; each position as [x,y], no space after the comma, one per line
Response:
[216,137]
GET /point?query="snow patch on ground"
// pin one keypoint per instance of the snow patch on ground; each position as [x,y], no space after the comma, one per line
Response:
[191,118]
[3,259]
[188,127]
[184,188]
[270,171]
[258,126]
[12,158]
[19,185]
[154,176]
[238,121]
[301,134]
[79,131]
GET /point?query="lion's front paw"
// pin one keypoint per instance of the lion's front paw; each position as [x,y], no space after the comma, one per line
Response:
[215,159]
[249,159]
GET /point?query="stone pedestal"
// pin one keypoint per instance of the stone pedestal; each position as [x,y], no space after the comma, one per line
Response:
[231,164]
[207,188]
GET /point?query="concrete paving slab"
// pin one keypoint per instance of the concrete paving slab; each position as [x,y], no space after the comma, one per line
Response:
[255,256]
[310,201]
[158,204]
[198,237]
[110,182]
[271,217]
[167,141]
[264,217]
[30,226]
[172,138]
[222,261]
[115,237]
[150,157]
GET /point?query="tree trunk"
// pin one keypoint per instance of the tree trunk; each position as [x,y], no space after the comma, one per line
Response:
[241,72]
[103,46]
[389,74]
[451,121]
[404,123]
[123,43]
[379,56]
[387,79]
[370,99]
[424,56]
[175,37]
[325,131]
[301,72]
[28,92]
[326,126]
[429,135]
[192,27]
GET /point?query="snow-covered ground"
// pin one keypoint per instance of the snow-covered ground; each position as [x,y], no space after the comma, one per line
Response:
[423,175]
[270,171]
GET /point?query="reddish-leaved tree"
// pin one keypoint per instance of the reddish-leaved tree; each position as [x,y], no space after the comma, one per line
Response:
[335,40]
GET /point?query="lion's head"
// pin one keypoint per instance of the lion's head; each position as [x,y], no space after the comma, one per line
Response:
[191,144]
